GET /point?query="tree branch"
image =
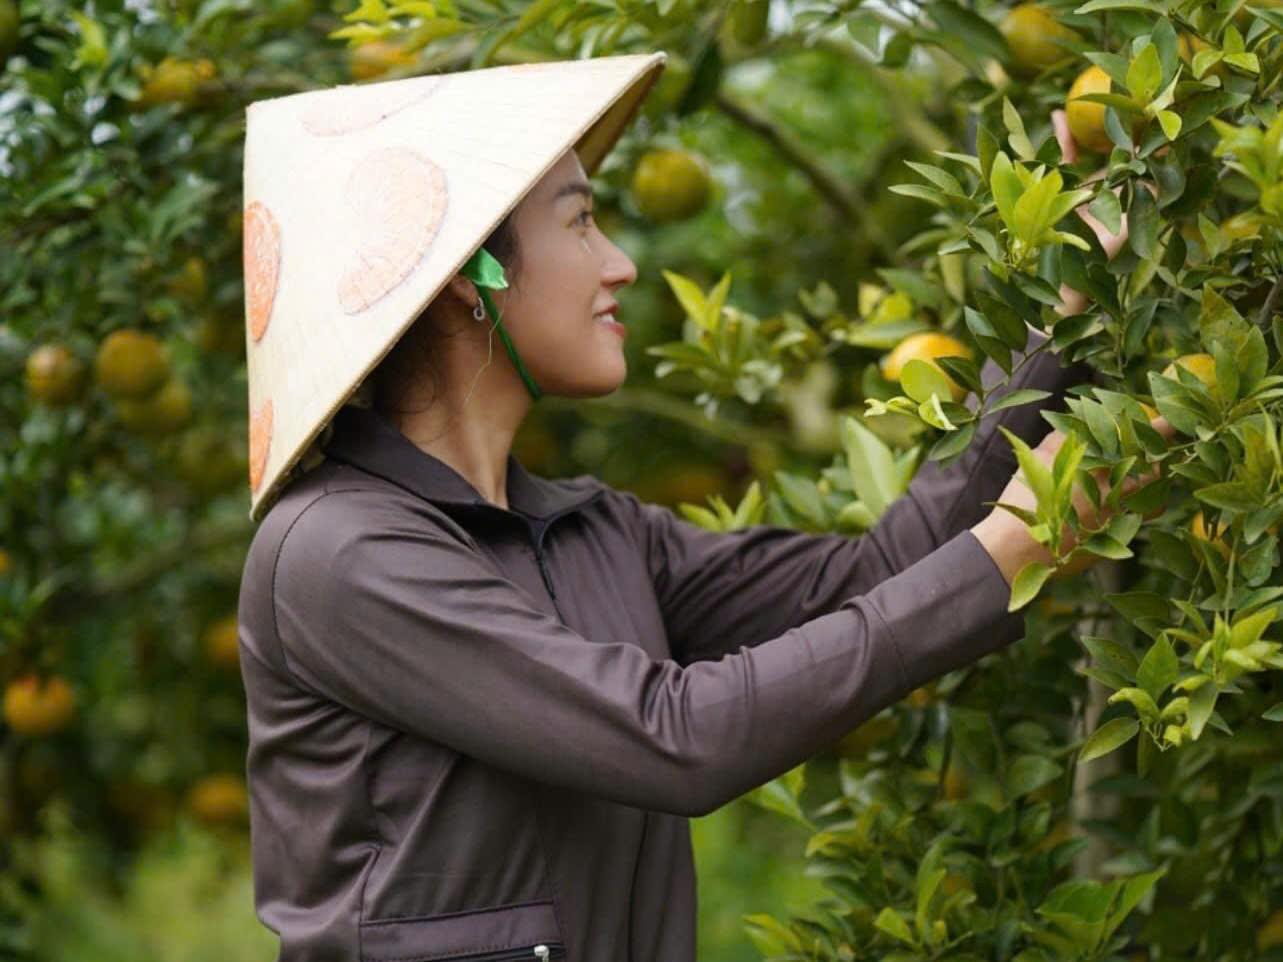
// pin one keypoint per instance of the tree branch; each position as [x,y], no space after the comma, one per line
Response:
[849,205]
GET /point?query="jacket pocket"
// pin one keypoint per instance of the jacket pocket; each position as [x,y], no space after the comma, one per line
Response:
[521,931]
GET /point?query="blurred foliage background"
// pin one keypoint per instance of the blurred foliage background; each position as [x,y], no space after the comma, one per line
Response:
[755,194]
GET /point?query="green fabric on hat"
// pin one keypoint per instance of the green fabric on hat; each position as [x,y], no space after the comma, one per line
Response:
[487,273]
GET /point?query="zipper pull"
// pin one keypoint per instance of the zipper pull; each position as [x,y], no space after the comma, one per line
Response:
[541,953]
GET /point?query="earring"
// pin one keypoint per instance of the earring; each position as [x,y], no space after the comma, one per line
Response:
[479,312]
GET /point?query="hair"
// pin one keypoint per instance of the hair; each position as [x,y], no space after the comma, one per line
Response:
[413,356]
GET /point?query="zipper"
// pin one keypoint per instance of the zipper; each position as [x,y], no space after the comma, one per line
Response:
[540,953]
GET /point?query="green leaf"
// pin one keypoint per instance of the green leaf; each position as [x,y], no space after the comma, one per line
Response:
[1130,892]
[1248,629]
[1035,211]
[1139,699]
[1158,668]
[972,30]
[1274,714]
[1170,121]
[1028,582]
[938,176]
[1108,737]
[1037,475]
[890,922]
[921,379]
[1026,395]
[1229,495]
[1201,704]
[1028,773]
[1107,209]
[1006,189]
[1145,74]
[1143,223]
[1016,135]
[872,466]
[688,295]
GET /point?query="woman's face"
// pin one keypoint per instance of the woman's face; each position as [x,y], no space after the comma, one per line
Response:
[567,276]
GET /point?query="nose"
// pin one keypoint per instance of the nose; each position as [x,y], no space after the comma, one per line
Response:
[618,269]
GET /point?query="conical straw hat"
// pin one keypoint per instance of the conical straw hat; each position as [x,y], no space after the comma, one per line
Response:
[362,201]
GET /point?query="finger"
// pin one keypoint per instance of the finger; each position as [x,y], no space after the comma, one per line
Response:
[1163,427]
[1071,301]
[1068,148]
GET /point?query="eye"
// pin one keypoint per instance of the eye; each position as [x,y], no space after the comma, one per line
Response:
[584,217]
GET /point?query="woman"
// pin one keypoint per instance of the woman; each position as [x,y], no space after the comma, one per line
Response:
[483,704]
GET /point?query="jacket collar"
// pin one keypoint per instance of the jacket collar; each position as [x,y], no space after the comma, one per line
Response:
[365,439]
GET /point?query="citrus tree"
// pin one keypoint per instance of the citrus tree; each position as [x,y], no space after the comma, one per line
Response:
[840,212]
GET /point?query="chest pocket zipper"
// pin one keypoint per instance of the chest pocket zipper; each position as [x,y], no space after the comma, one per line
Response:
[539,953]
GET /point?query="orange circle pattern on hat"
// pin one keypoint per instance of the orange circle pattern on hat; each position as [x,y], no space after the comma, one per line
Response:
[354,109]
[398,197]
[260,442]
[262,256]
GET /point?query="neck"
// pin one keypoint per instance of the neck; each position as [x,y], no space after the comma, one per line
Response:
[470,426]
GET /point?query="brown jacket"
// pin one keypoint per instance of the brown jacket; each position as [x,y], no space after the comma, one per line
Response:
[475,732]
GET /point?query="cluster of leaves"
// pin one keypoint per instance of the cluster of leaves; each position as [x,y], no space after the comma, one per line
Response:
[1194,176]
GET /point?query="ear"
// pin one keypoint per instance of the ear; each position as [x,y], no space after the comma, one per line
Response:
[463,290]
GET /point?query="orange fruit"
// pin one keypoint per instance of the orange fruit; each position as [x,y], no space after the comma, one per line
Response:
[1031,32]
[671,185]
[221,642]
[219,798]
[131,363]
[1202,366]
[377,57]
[54,375]
[162,412]
[174,81]
[39,706]
[1087,120]
[925,346]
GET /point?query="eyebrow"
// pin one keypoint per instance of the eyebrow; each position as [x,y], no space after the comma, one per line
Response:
[574,187]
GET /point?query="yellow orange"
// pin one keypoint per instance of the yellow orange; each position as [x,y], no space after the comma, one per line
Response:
[671,185]
[221,639]
[1031,32]
[377,57]
[54,375]
[39,706]
[219,798]
[130,363]
[1087,120]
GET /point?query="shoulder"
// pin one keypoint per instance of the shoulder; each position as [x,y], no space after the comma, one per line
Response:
[335,512]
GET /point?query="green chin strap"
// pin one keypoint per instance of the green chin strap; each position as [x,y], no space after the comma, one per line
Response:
[487,274]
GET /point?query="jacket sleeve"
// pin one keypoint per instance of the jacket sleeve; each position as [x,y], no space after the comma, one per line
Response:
[419,632]
[721,590]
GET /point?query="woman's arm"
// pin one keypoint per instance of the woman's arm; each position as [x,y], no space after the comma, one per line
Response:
[720,591]
[378,611]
